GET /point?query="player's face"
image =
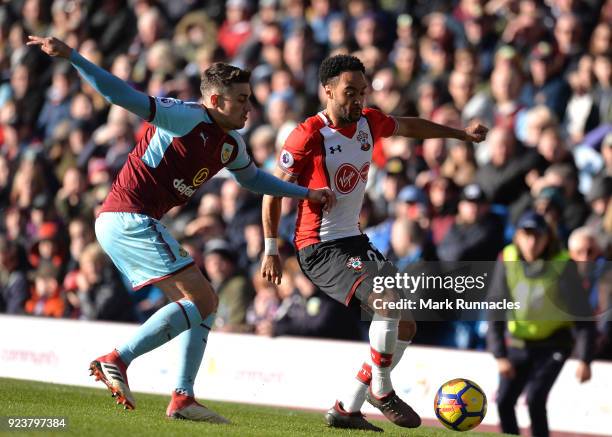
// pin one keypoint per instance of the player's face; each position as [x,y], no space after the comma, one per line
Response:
[346,96]
[235,105]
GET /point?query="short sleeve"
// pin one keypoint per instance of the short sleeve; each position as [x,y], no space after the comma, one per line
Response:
[242,159]
[381,124]
[296,151]
[176,116]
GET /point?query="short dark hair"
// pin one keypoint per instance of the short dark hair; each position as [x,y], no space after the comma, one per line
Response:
[219,76]
[333,66]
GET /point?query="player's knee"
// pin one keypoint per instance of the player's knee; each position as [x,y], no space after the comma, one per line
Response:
[206,300]
[406,330]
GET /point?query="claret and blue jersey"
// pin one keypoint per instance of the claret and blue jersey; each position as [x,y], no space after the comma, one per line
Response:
[180,151]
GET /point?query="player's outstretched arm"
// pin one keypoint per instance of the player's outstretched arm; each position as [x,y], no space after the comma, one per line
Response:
[261,182]
[414,127]
[111,87]
[271,268]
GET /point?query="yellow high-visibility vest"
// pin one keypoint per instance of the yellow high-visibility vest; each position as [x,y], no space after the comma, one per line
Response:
[541,308]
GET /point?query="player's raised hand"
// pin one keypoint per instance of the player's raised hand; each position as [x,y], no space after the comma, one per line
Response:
[271,269]
[475,132]
[50,45]
[324,196]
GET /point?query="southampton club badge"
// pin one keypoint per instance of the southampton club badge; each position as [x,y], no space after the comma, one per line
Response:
[226,152]
[363,138]
[355,263]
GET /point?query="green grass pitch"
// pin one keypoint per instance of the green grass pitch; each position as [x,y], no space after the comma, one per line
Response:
[93,412]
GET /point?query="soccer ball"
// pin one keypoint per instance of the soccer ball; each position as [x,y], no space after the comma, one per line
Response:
[460,404]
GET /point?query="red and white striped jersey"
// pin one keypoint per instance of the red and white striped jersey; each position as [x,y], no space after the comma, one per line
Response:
[320,155]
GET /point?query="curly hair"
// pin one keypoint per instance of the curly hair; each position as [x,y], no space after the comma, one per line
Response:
[219,76]
[333,66]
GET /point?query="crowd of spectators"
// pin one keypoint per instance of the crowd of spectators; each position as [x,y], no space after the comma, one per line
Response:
[537,72]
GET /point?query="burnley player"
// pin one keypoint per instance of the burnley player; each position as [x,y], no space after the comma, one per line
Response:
[334,148]
[187,144]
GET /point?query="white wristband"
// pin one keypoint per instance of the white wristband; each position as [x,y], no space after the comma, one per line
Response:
[270,246]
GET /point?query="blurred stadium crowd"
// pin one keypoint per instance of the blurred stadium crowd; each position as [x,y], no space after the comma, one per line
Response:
[538,72]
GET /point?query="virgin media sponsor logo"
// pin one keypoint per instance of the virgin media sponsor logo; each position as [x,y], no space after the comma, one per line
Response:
[347,177]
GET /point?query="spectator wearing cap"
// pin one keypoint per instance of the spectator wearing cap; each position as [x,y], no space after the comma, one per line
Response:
[234,288]
[476,235]
[394,178]
[547,86]
[48,247]
[47,298]
[409,204]
[540,334]
[565,177]
[14,289]
[549,203]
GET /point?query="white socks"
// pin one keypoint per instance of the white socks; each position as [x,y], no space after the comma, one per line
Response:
[355,398]
[383,338]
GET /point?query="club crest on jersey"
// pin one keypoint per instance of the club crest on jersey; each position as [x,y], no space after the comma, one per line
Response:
[363,138]
[286,159]
[355,263]
[226,152]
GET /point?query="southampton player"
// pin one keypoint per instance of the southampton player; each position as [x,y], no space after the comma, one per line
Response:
[334,148]
[186,146]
